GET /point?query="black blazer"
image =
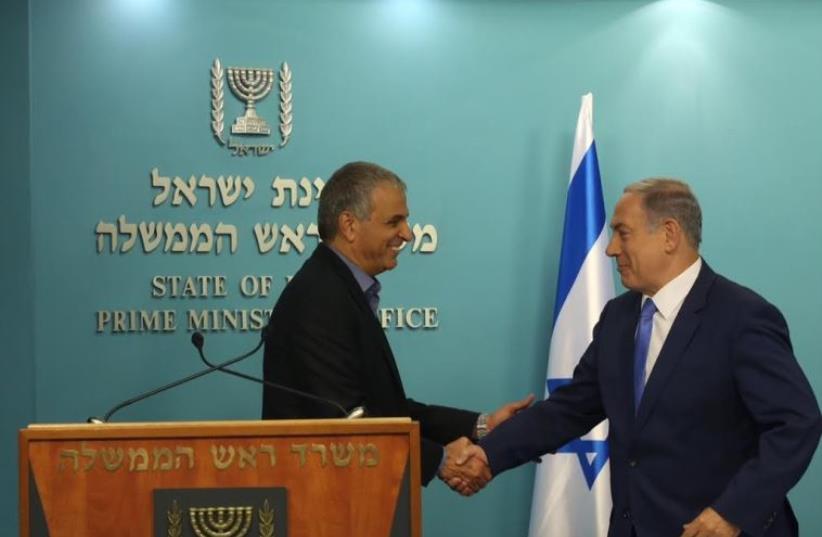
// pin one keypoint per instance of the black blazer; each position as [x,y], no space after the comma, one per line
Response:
[727,418]
[324,339]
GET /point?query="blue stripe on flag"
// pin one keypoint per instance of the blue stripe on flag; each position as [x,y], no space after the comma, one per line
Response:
[584,219]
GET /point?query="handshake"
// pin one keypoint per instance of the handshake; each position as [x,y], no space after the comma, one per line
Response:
[465,468]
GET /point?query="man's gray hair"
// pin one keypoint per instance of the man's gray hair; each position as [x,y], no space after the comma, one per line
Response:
[670,198]
[349,189]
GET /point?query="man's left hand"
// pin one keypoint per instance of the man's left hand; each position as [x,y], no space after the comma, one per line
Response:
[709,523]
[506,411]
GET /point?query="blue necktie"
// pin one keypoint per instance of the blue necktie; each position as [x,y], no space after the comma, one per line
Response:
[643,338]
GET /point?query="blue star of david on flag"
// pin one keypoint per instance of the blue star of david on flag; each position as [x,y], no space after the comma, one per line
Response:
[591,466]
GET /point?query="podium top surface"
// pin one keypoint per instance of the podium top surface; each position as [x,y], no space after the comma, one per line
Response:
[179,429]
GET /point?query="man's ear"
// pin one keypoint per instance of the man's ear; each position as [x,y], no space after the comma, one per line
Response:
[348,226]
[673,235]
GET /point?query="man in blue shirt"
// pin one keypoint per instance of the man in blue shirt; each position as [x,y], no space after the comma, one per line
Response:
[324,336]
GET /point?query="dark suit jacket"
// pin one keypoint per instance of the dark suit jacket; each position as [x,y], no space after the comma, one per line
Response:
[324,339]
[727,418]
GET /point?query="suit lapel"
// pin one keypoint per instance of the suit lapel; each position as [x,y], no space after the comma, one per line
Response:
[682,331]
[365,312]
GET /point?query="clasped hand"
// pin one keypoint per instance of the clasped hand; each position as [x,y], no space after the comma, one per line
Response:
[709,523]
[465,468]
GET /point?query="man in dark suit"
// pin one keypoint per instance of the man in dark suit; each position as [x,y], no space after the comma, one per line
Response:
[711,419]
[324,337]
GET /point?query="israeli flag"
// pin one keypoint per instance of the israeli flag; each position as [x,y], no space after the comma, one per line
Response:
[572,496]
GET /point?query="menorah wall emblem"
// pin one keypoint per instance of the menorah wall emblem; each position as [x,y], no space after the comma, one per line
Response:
[221,521]
[251,85]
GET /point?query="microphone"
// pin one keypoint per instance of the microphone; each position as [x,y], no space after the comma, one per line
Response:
[198,340]
[155,391]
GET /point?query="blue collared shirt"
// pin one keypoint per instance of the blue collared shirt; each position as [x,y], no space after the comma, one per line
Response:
[369,284]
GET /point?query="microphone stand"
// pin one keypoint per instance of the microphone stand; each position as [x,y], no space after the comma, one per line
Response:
[146,395]
[198,340]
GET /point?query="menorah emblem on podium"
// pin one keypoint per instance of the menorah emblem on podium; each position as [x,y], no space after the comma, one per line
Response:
[221,521]
[251,86]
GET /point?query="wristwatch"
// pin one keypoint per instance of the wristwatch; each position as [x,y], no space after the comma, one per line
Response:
[481,428]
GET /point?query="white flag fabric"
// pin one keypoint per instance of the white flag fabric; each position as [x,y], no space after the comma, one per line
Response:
[572,495]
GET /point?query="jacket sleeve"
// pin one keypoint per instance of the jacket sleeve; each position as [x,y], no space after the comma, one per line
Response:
[439,425]
[571,411]
[442,424]
[781,402]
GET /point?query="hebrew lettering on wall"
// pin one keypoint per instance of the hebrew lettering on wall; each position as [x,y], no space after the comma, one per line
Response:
[230,189]
[123,235]
[166,237]
[298,194]
[179,226]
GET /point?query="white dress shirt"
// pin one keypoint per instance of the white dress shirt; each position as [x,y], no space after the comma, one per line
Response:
[668,301]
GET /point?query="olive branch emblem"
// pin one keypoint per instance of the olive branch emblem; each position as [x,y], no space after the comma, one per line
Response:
[175,520]
[286,117]
[217,100]
[266,514]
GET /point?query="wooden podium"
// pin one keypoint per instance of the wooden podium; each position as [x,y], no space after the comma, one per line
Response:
[296,478]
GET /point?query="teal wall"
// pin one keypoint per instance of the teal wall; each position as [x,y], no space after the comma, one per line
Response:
[472,103]
[17,398]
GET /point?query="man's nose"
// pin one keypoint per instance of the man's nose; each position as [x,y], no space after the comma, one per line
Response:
[405,232]
[612,250]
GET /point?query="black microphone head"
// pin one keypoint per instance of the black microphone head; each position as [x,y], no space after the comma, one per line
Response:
[197,339]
